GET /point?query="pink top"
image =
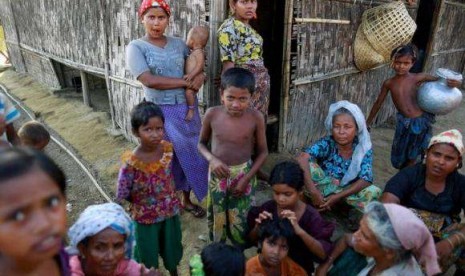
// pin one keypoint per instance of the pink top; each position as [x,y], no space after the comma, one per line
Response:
[125,267]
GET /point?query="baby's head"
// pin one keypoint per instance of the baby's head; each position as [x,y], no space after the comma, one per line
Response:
[197,37]
[32,207]
[147,121]
[273,236]
[33,134]
[409,51]
[220,259]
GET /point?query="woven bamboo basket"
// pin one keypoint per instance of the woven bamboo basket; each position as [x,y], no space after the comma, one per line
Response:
[366,56]
[383,28]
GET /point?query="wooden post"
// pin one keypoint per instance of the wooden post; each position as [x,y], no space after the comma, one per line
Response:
[286,83]
[218,13]
[85,89]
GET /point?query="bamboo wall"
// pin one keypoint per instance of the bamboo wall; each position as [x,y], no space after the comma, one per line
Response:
[323,71]
[449,27]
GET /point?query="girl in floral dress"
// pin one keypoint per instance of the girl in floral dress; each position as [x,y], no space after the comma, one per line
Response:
[242,46]
[146,181]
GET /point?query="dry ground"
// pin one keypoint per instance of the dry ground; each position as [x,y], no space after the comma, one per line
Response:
[85,131]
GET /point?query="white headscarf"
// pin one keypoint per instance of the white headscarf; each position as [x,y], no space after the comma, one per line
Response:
[364,141]
[96,218]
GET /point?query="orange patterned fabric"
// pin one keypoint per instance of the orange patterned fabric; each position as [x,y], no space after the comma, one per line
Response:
[288,268]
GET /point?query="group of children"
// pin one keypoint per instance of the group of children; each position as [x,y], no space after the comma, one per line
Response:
[233,141]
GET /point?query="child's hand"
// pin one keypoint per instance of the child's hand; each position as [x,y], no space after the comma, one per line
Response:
[218,168]
[240,188]
[188,77]
[262,217]
[197,82]
[454,83]
[291,216]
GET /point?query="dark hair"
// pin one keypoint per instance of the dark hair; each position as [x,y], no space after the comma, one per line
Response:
[405,50]
[274,229]
[238,77]
[15,162]
[289,173]
[34,133]
[141,114]
[221,259]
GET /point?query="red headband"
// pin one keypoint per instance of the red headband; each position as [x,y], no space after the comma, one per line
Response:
[147,4]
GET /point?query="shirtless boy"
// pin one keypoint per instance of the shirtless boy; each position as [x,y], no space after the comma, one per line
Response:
[234,131]
[414,126]
[196,41]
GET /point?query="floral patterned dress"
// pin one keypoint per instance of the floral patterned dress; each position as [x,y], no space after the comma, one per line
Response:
[327,168]
[149,187]
[242,45]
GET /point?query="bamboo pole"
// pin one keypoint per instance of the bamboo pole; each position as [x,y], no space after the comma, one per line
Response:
[322,20]
[85,89]
[286,82]
[76,65]
[218,13]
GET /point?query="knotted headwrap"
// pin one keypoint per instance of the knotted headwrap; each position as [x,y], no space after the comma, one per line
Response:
[364,141]
[96,218]
[414,236]
[451,137]
[147,4]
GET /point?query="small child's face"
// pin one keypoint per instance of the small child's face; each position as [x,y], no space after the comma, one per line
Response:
[273,252]
[402,64]
[32,218]
[151,134]
[236,100]
[285,196]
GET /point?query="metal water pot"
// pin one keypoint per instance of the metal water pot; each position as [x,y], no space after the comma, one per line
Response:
[438,98]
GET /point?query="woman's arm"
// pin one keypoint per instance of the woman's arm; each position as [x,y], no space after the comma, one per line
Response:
[303,161]
[161,83]
[387,197]
[353,188]
[341,245]
[226,65]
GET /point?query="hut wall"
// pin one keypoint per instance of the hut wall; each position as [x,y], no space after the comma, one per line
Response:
[8,22]
[323,70]
[450,22]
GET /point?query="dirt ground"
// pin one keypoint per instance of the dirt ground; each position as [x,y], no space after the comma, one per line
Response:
[86,132]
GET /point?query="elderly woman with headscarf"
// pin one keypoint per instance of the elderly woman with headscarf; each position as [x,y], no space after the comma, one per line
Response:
[339,166]
[101,243]
[394,240]
[435,191]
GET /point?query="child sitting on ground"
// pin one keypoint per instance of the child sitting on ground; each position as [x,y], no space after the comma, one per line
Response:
[311,240]
[218,259]
[8,114]
[34,134]
[233,130]
[197,39]
[146,181]
[273,247]
[32,214]
[414,126]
